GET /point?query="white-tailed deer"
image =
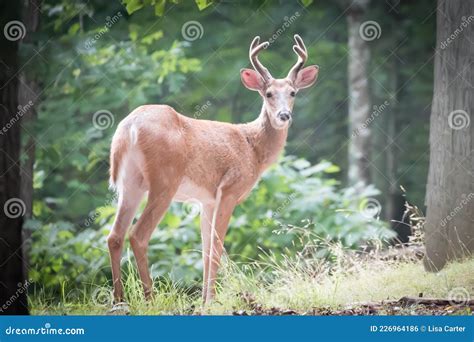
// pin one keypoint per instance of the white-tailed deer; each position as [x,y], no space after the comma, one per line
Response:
[177,158]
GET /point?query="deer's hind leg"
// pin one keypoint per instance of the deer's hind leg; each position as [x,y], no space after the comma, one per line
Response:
[159,198]
[129,198]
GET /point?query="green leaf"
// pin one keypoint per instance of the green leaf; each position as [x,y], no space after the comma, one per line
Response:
[133,5]
[203,4]
[332,169]
[74,28]
[306,3]
[152,37]
[133,32]
[160,7]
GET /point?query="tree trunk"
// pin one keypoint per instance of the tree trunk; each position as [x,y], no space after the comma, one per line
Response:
[359,99]
[28,98]
[449,229]
[391,208]
[394,199]
[13,300]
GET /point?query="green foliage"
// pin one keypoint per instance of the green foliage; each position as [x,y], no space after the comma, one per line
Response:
[290,193]
[61,255]
[159,5]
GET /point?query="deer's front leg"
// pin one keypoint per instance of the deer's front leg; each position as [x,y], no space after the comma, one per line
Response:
[224,207]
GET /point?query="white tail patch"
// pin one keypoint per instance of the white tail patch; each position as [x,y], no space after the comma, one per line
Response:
[133,135]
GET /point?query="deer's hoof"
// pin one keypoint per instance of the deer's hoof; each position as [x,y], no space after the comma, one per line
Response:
[119,309]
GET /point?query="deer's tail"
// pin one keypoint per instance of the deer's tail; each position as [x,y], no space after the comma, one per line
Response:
[120,144]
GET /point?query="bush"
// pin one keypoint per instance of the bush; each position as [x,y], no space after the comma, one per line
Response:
[294,192]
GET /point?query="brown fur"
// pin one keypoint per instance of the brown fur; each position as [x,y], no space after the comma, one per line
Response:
[204,151]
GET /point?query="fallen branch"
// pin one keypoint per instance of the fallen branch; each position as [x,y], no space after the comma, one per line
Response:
[434,301]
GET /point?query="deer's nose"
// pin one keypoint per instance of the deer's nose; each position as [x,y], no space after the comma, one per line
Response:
[284,116]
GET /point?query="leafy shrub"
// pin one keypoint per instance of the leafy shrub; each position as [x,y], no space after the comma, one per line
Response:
[288,194]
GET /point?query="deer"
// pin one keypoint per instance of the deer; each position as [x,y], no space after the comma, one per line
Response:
[176,158]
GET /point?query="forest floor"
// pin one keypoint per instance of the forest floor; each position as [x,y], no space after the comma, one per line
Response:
[351,287]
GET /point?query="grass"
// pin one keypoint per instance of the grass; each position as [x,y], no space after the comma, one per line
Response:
[298,283]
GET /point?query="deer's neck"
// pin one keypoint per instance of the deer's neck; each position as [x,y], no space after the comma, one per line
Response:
[266,141]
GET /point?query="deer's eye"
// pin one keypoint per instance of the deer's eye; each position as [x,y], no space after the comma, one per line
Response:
[268,94]
[293,94]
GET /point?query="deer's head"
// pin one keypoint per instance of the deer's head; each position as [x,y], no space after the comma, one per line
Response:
[279,94]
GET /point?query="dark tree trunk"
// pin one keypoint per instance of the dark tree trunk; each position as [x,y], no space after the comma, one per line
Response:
[394,199]
[449,230]
[28,93]
[391,209]
[359,97]
[28,97]
[13,285]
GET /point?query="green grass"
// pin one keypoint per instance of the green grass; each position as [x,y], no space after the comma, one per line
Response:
[298,284]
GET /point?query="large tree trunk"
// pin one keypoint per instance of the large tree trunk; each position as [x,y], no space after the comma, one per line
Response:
[28,97]
[28,93]
[13,285]
[359,98]
[394,199]
[449,226]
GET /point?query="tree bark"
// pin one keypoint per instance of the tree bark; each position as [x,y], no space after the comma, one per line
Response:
[449,229]
[28,97]
[13,300]
[359,97]
[394,199]
[29,91]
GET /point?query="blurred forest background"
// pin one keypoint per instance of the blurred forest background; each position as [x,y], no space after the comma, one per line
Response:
[92,62]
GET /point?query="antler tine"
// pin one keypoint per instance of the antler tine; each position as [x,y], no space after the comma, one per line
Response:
[254,43]
[300,50]
[255,48]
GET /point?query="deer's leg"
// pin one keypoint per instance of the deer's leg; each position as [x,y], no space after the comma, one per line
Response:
[129,199]
[206,225]
[222,213]
[159,200]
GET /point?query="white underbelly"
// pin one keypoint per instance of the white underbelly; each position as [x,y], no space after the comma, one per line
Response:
[189,191]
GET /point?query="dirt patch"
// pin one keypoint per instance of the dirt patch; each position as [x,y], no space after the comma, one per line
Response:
[404,306]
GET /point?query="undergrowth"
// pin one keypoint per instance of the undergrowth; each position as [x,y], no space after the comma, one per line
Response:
[302,282]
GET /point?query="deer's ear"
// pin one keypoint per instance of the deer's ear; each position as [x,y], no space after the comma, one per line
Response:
[251,79]
[306,77]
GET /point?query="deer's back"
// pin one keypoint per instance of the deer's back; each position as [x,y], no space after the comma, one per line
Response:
[202,152]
